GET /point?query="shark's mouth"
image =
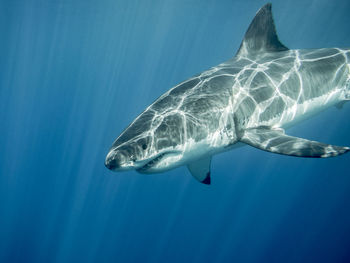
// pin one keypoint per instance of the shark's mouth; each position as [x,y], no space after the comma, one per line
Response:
[153,162]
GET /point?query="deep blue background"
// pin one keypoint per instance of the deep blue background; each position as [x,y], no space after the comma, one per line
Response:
[75,73]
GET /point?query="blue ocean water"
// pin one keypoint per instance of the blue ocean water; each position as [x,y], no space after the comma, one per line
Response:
[75,73]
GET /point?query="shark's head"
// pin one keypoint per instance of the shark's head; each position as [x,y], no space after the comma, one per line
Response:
[152,143]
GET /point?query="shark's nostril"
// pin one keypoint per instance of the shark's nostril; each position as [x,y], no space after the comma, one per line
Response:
[111,163]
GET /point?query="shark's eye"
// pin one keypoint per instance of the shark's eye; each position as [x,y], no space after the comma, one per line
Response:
[144,146]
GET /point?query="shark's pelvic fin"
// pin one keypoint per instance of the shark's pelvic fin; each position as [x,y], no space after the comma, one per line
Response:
[340,105]
[261,34]
[276,141]
[200,169]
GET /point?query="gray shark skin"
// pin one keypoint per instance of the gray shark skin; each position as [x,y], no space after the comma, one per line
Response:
[249,99]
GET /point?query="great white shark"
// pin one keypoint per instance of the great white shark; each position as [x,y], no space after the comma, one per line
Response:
[249,99]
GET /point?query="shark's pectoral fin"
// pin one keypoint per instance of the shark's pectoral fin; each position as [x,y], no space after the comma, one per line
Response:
[200,169]
[276,141]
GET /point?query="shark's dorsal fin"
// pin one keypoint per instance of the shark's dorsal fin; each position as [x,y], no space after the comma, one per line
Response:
[261,35]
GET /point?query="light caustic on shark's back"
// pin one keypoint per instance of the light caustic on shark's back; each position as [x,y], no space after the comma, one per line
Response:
[249,99]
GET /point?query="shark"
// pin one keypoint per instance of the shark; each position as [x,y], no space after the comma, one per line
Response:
[248,100]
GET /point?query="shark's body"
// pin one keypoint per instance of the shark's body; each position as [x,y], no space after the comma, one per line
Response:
[249,99]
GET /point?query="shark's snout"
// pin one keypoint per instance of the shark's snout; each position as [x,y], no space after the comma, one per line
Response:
[117,161]
[111,162]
